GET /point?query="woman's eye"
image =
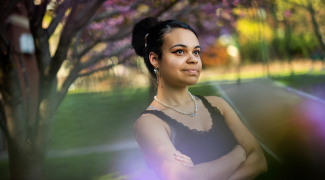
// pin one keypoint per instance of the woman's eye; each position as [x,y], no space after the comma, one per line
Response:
[196,53]
[179,52]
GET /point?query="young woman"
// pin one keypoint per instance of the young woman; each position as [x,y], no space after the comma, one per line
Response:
[182,136]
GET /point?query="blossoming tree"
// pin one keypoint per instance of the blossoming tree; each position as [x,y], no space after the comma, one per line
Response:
[86,24]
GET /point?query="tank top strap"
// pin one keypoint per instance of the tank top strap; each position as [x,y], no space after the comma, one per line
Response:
[208,105]
[159,114]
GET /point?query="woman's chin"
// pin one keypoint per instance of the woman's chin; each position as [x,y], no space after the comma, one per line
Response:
[192,81]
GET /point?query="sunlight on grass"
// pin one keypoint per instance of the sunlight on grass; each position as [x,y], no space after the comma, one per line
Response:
[258,71]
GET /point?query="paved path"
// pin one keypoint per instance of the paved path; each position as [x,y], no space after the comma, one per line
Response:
[127,144]
[291,125]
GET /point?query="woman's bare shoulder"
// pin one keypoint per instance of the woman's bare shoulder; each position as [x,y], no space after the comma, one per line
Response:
[217,102]
[148,122]
[213,98]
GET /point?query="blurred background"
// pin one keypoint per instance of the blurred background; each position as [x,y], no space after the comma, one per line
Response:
[71,86]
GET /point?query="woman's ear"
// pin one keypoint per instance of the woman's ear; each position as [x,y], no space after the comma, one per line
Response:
[153,57]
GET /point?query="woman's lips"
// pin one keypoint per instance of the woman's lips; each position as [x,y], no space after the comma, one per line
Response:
[191,71]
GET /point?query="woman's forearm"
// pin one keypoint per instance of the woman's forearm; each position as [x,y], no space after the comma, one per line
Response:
[221,168]
[254,165]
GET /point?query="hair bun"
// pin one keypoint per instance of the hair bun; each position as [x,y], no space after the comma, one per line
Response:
[139,32]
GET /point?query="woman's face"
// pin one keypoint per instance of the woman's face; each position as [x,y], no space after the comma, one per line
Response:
[180,64]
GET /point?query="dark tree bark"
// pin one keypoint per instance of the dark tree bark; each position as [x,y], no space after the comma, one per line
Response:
[315,25]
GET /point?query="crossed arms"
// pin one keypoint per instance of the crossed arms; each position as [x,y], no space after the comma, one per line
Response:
[245,161]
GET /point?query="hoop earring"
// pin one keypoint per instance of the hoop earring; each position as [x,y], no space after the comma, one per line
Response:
[156,71]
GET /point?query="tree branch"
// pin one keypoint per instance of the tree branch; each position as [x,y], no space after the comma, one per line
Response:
[97,58]
[30,8]
[166,8]
[73,75]
[59,14]
[106,67]
[72,26]
[76,43]
[42,52]
[112,13]
[66,84]
[88,11]
[8,9]
[120,35]
[105,15]
[185,11]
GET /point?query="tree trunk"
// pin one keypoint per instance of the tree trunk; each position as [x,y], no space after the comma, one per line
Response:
[315,26]
[24,162]
[27,147]
[26,156]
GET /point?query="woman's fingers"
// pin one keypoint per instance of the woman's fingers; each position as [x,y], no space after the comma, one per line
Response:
[184,159]
[188,164]
[182,155]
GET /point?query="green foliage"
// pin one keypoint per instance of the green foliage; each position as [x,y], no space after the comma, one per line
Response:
[251,51]
[297,45]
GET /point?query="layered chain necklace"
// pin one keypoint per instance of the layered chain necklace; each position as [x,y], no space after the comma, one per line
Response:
[191,114]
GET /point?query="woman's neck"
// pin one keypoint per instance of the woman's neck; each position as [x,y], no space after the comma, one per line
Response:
[173,96]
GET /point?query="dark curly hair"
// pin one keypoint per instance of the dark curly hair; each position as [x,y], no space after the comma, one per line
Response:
[155,39]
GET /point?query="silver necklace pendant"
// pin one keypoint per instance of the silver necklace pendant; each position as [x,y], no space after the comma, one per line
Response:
[192,114]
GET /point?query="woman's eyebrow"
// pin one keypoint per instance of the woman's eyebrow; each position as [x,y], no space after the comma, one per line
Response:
[182,45]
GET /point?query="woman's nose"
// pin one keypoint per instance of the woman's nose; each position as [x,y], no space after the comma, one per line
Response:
[193,59]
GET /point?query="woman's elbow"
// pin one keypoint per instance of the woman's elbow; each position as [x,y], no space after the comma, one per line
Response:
[177,173]
[178,176]
[259,164]
[263,165]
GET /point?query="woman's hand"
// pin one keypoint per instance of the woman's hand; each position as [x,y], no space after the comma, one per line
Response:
[185,160]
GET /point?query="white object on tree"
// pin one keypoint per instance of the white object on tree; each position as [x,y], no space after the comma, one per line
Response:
[26,43]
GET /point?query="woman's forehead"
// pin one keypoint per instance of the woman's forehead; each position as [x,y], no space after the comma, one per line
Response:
[180,36]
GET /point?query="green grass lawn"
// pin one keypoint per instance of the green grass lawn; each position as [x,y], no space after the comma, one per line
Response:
[302,80]
[89,119]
